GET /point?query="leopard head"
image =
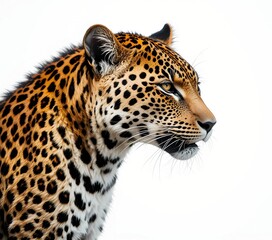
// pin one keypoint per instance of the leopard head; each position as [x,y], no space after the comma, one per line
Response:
[143,91]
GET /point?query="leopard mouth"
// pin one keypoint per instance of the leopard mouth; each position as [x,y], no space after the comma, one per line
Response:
[178,148]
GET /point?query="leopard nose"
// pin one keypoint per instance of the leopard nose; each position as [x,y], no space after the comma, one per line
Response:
[207,125]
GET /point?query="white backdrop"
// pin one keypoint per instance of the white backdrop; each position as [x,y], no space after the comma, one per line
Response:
[224,193]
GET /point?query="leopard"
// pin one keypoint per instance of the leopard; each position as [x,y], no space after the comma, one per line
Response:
[66,130]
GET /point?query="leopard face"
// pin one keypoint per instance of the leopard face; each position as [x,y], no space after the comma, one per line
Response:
[151,96]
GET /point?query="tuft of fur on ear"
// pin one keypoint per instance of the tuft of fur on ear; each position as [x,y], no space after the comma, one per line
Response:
[102,48]
[165,34]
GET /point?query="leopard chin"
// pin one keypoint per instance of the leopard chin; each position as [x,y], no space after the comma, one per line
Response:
[186,153]
[178,148]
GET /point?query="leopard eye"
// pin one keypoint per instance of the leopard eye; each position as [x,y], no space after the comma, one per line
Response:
[168,87]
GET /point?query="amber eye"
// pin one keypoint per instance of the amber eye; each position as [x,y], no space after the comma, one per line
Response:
[168,87]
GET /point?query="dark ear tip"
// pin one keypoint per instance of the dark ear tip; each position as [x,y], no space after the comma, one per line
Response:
[165,34]
[166,28]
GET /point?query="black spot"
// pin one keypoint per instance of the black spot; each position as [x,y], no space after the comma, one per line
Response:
[117,91]
[44,102]
[74,59]
[64,197]
[3,153]
[92,218]
[60,63]
[136,113]
[115,84]
[10,196]
[108,142]
[24,169]
[70,236]
[21,98]
[125,125]
[18,108]
[60,175]
[67,153]
[71,89]
[79,202]
[4,136]
[35,136]
[85,156]
[63,98]
[117,104]
[43,138]
[38,168]
[22,119]
[75,221]
[15,229]
[132,77]
[21,140]
[52,104]
[124,82]
[140,95]
[6,110]
[24,216]
[41,185]
[14,129]
[79,142]
[32,182]
[61,131]
[114,160]
[21,186]
[37,199]
[91,187]
[100,160]
[44,155]
[51,87]
[115,119]
[142,75]
[45,224]
[132,101]
[126,134]
[4,169]
[62,83]
[52,187]
[148,89]
[55,160]
[94,141]
[19,207]
[66,69]
[29,227]
[59,232]
[49,206]
[33,101]
[53,74]
[62,217]
[75,174]
[38,234]
[145,107]
[106,171]
[49,69]
[109,99]
[127,94]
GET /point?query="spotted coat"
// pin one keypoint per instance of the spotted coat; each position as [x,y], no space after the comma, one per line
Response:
[66,130]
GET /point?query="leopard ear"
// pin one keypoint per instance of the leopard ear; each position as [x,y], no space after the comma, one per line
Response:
[102,48]
[165,34]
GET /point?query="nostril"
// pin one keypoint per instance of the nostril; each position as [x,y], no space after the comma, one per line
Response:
[206,125]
